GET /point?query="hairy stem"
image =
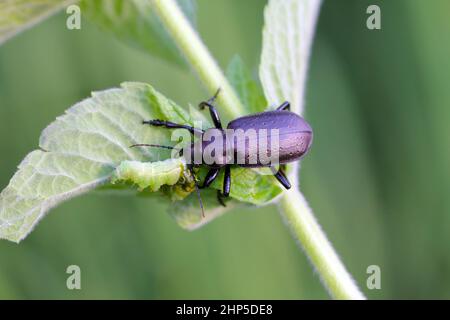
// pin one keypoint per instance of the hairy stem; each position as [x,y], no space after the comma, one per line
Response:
[319,250]
[197,55]
[292,205]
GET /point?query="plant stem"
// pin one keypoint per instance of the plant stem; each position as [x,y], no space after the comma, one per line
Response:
[198,55]
[319,250]
[292,204]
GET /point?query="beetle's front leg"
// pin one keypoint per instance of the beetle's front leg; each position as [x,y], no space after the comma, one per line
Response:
[172,125]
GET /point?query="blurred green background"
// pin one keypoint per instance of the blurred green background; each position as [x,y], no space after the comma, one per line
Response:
[378,175]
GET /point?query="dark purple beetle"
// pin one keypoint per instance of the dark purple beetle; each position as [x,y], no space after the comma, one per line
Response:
[294,140]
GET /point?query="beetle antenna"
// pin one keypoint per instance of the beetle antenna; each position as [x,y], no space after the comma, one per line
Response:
[197,189]
[153,145]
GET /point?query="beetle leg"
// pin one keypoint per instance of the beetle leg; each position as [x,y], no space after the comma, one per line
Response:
[281,177]
[285,105]
[212,110]
[227,182]
[220,198]
[210,177]
[171,125]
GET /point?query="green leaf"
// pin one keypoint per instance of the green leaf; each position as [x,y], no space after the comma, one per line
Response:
[80,151]
[256,186]
[19,15]
[249,91]
[134,22]
[187,212]
[287,38]
[250,186]
[89,147]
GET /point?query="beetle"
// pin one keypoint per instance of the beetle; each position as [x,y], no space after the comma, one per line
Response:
[294,141]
